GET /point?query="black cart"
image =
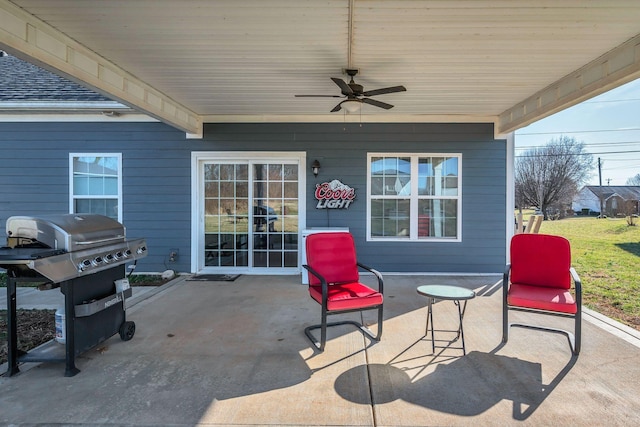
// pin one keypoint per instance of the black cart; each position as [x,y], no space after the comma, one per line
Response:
[94,312]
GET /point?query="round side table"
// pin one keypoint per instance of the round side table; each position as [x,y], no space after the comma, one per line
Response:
[446,292]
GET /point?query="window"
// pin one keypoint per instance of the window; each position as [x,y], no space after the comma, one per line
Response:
[96,184]
[414,197]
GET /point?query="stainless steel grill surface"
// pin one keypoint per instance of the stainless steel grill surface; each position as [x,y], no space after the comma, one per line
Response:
[70,232]
[65,246]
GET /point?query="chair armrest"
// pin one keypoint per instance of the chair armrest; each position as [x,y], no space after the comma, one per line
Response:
[505,284]
[315,273]
[323,282]
[375,273]
[577,283]
[575,277]
[505,277]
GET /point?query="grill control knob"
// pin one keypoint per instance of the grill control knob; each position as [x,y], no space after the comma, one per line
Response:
[84,265]
[141,249]
[127,253]
[109,258]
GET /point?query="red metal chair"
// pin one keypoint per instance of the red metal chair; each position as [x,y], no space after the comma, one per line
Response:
[538,280]
[334,283]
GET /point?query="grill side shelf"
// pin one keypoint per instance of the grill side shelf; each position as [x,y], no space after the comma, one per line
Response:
[84,310]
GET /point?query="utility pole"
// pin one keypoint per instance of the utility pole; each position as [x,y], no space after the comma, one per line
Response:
[600,180]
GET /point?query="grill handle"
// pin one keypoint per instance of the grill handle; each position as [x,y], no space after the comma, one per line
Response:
[94,242]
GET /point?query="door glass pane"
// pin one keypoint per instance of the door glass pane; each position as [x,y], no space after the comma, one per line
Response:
[275,173]
[290,172]
[242,172]
[291,190]
[226,202]
[275,215]
[227,172]
[251,215]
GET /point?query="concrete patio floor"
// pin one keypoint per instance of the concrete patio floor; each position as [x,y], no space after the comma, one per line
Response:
[235,354]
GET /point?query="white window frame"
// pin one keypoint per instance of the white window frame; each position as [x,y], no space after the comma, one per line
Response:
[118,197]
[413,200]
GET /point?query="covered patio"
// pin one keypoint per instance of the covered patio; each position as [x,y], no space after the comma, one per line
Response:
[234,353]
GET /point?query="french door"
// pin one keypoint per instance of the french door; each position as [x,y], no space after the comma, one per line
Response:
[250,214]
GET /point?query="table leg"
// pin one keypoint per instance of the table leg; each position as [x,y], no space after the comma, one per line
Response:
[461,309]
[430,302]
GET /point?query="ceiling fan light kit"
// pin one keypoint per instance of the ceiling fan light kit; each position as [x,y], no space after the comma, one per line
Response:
[351,105]
[356,95]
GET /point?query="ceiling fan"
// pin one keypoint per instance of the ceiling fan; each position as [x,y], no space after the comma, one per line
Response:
[356,95]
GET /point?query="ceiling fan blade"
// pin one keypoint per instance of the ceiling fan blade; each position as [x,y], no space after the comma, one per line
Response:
[336,108]
[392,89]
[344,87]
[318,96]
[377,103]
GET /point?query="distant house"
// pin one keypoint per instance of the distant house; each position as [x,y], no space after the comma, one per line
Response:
[621,199]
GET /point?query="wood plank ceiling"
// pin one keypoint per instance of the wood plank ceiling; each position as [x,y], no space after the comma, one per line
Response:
[510,62]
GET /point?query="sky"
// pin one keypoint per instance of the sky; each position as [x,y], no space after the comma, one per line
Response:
[608,125]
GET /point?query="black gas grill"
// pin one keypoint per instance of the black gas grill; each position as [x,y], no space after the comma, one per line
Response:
[83,254]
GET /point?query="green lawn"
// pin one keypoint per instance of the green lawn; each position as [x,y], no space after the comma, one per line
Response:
[606,254]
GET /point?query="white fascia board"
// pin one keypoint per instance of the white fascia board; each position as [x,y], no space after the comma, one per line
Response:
[618,66]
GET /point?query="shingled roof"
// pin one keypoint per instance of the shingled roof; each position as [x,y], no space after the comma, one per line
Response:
[22,81]
[626,192]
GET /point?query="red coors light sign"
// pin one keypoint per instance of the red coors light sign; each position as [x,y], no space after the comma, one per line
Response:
[334,195]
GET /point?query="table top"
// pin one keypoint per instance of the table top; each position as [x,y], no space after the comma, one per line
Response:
[446,292]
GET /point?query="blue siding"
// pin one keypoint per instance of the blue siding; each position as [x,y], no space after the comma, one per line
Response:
[157,181]
[483,187]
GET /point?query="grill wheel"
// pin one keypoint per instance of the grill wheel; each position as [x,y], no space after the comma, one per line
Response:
[127,330]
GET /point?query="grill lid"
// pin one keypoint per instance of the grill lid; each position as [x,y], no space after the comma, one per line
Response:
[65,246]
[71,232]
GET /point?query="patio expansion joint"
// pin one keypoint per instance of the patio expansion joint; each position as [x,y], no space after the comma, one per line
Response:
[614,327]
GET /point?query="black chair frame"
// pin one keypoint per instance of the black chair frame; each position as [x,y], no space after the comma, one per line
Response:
[326,312]
[575,341]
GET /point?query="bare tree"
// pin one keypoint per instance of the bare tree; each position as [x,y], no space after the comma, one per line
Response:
[634,180]
[630,211]
[550,176]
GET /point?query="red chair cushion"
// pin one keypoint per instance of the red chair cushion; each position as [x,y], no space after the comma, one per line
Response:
[541,298]
[541,260]
[333,255]
[347,296]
